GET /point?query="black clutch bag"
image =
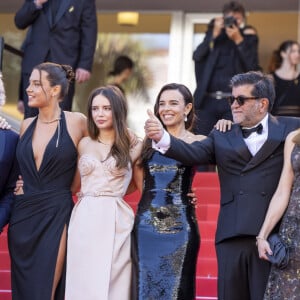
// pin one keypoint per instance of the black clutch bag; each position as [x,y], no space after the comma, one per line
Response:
[280,256]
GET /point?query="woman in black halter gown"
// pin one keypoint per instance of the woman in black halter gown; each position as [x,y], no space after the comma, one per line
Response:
[47,156]
[166,238]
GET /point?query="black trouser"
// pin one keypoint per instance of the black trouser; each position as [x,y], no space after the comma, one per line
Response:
[242,275]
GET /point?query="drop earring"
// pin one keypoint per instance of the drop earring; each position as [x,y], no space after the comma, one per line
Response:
[185,118]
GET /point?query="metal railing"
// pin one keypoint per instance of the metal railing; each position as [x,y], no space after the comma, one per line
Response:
[9,48]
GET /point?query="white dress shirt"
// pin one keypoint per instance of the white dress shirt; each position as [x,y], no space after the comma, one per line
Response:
[255,140]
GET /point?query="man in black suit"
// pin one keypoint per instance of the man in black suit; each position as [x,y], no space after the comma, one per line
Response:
[249,158]
[8,166]
[63,32]
[230,47]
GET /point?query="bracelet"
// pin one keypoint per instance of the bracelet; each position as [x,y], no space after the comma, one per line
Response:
[259,238]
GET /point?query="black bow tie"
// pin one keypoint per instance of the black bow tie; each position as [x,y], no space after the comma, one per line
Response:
[247,131]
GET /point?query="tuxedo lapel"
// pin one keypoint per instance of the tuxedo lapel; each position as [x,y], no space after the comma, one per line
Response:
[235,138]
[276,132]
[2,143]
[64,5]
[48,13]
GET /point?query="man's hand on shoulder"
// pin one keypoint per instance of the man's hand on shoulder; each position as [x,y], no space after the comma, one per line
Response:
[223,125]
[4,124]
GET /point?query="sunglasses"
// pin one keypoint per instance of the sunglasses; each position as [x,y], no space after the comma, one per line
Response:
[240,99]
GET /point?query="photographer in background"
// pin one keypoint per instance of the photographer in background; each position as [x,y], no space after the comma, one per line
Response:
[229,47]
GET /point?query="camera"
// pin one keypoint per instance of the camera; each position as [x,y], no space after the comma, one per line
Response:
[229,21]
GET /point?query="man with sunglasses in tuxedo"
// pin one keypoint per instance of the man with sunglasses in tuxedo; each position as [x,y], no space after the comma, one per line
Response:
[249,158]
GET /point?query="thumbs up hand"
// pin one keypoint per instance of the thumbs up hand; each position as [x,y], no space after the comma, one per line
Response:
[153,127]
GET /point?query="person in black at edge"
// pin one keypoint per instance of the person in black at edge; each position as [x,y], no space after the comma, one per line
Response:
[229,47]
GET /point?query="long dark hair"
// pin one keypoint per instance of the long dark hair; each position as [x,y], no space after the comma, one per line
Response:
[187,97]
[121,146]
[276,59]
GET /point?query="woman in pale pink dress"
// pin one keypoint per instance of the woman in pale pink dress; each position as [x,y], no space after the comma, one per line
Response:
[98,255]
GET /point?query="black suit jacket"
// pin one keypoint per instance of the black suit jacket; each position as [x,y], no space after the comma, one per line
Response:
[247,182]
[8,173]
[69,38]
[205,57]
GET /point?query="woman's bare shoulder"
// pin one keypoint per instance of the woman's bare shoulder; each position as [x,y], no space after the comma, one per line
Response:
[76,121]
[74,115]
[83,143]
[25,124]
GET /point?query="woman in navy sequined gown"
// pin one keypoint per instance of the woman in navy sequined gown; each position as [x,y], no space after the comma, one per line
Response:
[47,156]
[284,284]
[166,237]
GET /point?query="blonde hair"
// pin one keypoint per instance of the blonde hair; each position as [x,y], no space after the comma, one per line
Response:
[2,91]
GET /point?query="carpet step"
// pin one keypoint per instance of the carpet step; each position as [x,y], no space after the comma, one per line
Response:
[4,261]
[206,287]
[206,179]
[207,266]
[5,280]
[207,212]
[5,294]
[208,195]
[207,249]
[3,244]
[207,229]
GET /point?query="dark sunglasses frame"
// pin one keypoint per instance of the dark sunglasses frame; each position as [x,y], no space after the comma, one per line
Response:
[240,99]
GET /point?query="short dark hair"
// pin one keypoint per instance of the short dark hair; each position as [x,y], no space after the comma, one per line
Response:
[234,6]
[122,63]
[263,85]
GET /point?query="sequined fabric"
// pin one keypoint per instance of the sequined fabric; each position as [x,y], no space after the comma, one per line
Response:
[285,284]
[166,237]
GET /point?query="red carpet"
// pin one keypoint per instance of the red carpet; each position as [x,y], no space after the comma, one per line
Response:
[208,193]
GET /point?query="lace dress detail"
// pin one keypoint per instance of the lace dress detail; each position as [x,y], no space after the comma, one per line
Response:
[285,284]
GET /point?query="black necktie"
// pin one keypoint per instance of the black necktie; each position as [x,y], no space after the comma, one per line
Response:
[247,131]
